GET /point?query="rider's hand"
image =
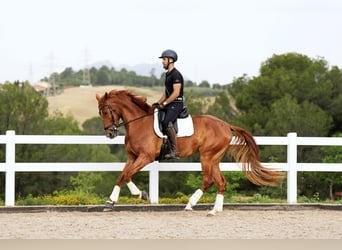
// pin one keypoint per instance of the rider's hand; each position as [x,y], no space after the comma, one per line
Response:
[156,105]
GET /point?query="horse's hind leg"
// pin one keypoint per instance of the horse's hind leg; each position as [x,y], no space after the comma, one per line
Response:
[135,191]
[207,183]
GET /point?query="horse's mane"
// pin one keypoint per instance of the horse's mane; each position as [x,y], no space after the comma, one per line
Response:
[140,101]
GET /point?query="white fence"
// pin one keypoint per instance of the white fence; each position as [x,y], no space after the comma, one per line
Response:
[10,166]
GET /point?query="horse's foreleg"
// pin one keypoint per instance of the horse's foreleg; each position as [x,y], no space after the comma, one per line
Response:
[194,199]
[132,166]
[114,195]
[135,191]
[116,192]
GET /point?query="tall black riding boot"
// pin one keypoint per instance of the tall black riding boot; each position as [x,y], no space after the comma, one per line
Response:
[172,140]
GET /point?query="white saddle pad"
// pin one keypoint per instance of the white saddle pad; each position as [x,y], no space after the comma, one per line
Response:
[185,126]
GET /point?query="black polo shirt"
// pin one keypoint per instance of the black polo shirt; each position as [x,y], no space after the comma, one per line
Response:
[173,77]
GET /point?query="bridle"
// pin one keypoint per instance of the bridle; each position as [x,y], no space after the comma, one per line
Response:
[112,111]
[114,126]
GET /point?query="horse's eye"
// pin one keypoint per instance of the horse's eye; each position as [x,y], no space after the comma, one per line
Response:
[105,113]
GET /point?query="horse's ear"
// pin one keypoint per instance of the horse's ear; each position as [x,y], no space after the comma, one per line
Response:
[106,95]
[98,97]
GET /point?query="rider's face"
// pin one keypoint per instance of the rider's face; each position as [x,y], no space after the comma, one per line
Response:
[166,61]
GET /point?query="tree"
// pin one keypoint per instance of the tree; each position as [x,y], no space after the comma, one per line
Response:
[223,107]
[204,84]
[305,80]
[335,104]
[103,76]
[67,73]
[189,83]
[237,85]
[25,111]
[21,109]
[93,126]
[330,180]
[307,119]
[195,102]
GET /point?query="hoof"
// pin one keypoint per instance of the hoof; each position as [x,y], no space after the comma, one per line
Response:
[109,206]
[144,195]
[188,207]
[211,213]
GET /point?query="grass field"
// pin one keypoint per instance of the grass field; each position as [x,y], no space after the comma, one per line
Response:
[80,102]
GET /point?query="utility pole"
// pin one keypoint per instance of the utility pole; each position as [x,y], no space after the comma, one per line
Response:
[52,79]
[86,73]
[30,78]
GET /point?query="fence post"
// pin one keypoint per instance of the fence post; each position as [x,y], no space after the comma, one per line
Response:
[154,182]
[292,168]
[10,173]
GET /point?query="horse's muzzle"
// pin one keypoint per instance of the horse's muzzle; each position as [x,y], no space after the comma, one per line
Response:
[111,131]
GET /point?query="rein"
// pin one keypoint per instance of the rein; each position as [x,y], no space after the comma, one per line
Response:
[121,123]
[136,119]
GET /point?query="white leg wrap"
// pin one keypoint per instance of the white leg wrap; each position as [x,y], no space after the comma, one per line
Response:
[218,205]
[194,199]
[115,194]
[134,189]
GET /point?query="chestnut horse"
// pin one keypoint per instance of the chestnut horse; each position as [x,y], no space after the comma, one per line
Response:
[211,138]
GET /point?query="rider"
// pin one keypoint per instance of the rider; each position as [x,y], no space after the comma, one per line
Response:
[171,100]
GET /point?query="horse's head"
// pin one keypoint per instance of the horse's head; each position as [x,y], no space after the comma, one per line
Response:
[110,116]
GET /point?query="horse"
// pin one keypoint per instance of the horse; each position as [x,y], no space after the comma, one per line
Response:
[211,138]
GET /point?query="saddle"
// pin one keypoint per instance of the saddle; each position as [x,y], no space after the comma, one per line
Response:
[162,113]
[183,124]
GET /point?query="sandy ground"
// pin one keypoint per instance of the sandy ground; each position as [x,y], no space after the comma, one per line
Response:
[229,224]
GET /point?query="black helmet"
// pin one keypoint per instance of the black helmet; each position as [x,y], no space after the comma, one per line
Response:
[170,53]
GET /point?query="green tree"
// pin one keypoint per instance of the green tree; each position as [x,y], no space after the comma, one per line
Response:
[204,84]
[325,182]
[301,78]
[223,107]
[25,111]
[93,126]
[237,86]
[103,76]
[335,104]
[195,102]
[307,119]
[21,109]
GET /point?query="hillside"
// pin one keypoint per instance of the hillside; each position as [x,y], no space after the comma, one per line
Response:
[80,102]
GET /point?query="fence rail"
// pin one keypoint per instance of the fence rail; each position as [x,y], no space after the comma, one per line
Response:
[10,166]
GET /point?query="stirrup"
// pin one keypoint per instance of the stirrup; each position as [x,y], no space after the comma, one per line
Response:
[172,155]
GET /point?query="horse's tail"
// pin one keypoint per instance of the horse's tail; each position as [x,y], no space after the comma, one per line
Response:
[246,151]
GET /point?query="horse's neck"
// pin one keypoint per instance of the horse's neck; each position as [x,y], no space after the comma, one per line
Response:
[131,113]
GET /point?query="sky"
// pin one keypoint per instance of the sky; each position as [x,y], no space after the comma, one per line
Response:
[216,40]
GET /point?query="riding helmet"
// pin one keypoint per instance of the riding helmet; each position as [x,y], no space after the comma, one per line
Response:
[169,53]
